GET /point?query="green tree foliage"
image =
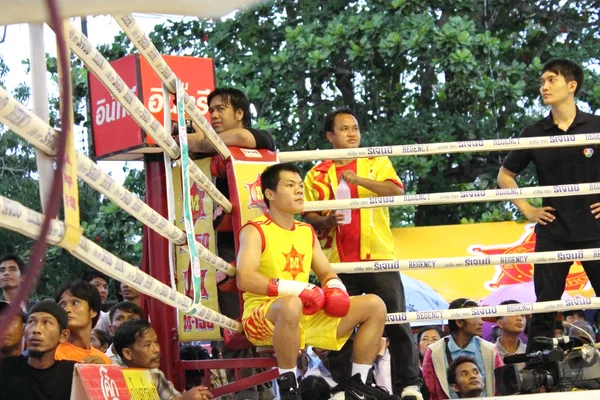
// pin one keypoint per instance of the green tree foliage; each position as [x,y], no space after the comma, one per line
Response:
[413,71]
[109,226]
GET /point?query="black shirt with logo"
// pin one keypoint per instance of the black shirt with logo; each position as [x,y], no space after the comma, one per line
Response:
[563,166]
[20,381]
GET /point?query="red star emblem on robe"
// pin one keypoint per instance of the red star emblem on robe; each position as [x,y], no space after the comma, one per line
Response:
[509,274]
[293,262]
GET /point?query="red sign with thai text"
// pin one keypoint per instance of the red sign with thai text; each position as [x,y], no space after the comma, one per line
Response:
[116,135]
[99,382]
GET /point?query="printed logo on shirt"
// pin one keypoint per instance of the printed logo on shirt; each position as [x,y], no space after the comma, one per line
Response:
[588,152]
[293,262]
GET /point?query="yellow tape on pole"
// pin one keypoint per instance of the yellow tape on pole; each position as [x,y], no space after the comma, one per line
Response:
[73,229]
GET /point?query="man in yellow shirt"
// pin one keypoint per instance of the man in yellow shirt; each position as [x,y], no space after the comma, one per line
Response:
[81,301]
[364,236]
[275,258]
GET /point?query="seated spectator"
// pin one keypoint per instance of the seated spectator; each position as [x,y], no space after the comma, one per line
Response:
[572,316]
[118,315]
[465,378]
[494,334]
[303,363]
[426,336]
[12,339]
[559,330]
[580,329]
[39,375]
[81,301]
[512,327]
[315,388]
[322,367]
[596,325]
[130,294]
[218,376]
[383,366]
[12,271]
[100,281]
[101,340]
[463,340]
[137,345]
[194,377]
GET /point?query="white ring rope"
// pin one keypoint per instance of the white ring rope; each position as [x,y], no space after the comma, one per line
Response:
[17,11]
[28,222]
[468,196]
[443,148]
[98,65]
[145,46]
[30,127]
[494,311]
[542,257]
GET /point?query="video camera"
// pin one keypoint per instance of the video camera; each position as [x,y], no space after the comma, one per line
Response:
[557,370]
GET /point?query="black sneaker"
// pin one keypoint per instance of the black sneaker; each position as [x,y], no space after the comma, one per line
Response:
[288,387]
[357,390]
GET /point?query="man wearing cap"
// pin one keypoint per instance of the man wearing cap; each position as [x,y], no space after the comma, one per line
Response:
[12,338]
[39,375]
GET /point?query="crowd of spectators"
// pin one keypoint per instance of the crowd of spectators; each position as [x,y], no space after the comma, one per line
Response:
[46,340]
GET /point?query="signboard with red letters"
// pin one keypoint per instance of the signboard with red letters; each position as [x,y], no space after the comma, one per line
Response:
[116,135]
[110,382]
[99,382]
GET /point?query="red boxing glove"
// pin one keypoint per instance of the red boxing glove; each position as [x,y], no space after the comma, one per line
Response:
[337,300]
[311,296]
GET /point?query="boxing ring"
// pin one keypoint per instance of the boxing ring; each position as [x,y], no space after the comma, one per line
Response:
[47,141]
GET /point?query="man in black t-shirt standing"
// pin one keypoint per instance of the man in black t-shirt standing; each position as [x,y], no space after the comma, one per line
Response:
[563,223]
[39,376]
[231,119]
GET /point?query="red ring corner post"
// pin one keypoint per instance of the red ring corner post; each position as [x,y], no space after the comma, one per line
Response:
[162,316]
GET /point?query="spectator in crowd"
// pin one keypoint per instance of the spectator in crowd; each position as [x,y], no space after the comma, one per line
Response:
[512,327]
[81,301]
[426,336]
[218,376]
[100,281]
[12,272]
[304,362]
[322,367]
[465,378]
[597,324]
[362,235]
[383,366]
[315,387]
[464,340]
[130,294]
[137,345]
[119,314]
[559,330]
[39,376]
[194,377]
[572,316]
[231,119]
[100,340]
[12,340]
[582,330]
